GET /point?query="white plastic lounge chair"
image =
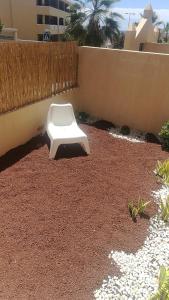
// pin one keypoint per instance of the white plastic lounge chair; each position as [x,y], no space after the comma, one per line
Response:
[63,129]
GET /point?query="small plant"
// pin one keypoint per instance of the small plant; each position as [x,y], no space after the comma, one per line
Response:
[133,211]
[162,170]
[164,134]
[164,205]
[125,130]
[142,206]
[138,209]
[83,117]
[163,289]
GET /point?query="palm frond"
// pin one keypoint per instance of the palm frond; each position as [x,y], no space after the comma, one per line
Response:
[159,23]
[80,2]
[116,15]
[106,3]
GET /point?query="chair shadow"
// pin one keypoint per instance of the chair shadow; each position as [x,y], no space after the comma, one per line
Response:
[69,151]
[66,150]
[16,154]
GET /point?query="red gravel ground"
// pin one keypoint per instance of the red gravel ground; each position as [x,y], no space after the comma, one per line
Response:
[60,219]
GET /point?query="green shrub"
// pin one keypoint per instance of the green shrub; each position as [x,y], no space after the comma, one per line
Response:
[125,130]
[82,117]
[164,134]
[164,205]
[138,209]
[162,170]
[163,289]
[133,211]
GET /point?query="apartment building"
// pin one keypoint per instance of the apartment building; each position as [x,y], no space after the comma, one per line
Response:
[32,18]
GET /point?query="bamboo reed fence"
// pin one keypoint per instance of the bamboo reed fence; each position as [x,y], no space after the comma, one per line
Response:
[30,72]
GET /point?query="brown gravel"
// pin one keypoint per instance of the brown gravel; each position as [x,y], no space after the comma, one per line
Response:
[60,219]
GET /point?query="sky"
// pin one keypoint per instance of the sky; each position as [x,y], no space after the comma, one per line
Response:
[136,7]
[141,3]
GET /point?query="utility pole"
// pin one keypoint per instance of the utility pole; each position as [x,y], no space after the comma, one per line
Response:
[130,14]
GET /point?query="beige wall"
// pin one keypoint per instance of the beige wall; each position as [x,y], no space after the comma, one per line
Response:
[156,48]
[130,42]
[18,127]
[24,19]
[125,87]
[5,12]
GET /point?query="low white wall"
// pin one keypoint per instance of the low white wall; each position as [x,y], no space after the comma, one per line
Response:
[18,127]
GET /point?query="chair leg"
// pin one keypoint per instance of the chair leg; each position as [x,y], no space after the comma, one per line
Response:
[85,145]
[53,150]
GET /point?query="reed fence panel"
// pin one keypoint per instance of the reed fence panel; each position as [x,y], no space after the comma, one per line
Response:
[30,71]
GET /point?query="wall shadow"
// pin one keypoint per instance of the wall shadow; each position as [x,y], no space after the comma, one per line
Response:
[14,155]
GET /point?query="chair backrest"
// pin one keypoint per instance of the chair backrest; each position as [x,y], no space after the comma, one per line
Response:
[61,114]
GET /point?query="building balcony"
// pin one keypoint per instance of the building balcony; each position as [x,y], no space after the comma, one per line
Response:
[53,29]
[9,34]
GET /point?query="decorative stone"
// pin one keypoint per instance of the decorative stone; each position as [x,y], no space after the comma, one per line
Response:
[140,270]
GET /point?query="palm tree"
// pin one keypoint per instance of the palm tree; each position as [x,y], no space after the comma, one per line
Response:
[155,19]
[92,22]
[75,29]
[166,30]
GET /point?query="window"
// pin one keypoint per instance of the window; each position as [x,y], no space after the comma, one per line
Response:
[39,19]
[54,3]
[54,37]
[54,20]
[47,2]
[39,2]
[47,20]
[61,5]
[67,7]
[61,21]
[40,37]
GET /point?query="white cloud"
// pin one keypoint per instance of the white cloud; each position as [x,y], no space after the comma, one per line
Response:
[162,13]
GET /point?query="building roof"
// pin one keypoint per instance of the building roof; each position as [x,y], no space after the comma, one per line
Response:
[149,7]
[140,27]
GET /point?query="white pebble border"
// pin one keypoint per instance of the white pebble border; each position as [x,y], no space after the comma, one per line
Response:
[135,136]
[139,279]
